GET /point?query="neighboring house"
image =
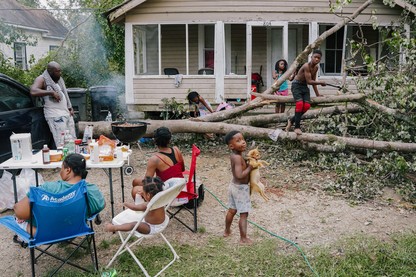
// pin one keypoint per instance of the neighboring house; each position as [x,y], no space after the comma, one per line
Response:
[234,39]
[39,25]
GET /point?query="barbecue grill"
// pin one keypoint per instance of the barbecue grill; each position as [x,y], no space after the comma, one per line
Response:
[129,132]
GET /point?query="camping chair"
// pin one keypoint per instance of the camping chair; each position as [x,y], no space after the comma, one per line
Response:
[132,238]
[188,199]
[59,218]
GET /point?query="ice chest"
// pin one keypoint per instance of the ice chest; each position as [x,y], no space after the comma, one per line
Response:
[21,147]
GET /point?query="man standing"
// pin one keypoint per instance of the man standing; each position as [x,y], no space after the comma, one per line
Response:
[57,106]
[300,91]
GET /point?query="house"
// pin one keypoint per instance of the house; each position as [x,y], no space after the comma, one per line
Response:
[41,32]
[215,46]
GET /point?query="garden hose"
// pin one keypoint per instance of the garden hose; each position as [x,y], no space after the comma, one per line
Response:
[270,233]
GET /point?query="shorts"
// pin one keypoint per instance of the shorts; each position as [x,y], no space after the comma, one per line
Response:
[157,228]
[300,92]
[239,198]
[284,92]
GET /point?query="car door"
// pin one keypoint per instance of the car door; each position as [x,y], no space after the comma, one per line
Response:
[18,114]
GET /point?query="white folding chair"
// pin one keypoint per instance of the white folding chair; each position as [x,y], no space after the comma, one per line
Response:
[161,199]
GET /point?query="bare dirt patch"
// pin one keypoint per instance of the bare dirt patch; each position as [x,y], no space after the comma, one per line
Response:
[298,210]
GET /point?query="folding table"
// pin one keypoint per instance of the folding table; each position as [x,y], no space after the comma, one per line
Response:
[36,164]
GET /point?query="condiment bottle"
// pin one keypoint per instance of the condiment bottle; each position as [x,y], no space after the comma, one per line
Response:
[46,157]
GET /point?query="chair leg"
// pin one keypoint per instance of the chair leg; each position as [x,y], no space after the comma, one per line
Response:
[32,260]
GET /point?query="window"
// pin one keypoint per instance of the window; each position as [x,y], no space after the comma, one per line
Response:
[235,51]
[169,43]
[12,98]
[53,47]
[20,55]
[333,50]
[146,49]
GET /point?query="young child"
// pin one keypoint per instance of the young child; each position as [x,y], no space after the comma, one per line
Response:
[279,69]
[202,106]
[301,94]
[155,220]
[239,189]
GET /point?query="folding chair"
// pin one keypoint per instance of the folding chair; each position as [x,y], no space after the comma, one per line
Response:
[59,218]
[189,199]
[133,238]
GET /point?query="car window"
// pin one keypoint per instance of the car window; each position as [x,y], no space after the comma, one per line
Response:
[13,98]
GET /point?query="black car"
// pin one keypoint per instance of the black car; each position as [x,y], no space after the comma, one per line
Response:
[19,113]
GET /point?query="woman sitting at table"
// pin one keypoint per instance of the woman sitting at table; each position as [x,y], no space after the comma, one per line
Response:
[73,170]
[167,163]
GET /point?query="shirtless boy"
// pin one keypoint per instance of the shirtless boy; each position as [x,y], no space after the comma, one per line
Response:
[239,189]
[300,91]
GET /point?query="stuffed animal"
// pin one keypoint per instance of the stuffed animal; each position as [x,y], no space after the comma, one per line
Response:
[253,157]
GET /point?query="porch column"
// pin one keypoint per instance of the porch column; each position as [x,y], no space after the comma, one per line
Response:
[313,31]
[219,61]
[249,45]
[129,66]
[402,56]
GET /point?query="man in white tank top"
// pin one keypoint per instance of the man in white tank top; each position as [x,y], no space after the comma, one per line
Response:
[57,106]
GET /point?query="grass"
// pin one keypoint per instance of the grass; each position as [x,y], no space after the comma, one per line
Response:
[355,256]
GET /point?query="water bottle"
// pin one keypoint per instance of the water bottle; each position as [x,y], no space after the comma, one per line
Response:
[109,118]
[69,142]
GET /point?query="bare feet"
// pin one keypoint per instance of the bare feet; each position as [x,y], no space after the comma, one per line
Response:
[298,131]
[289,125]
[226,234]
[110,228]
[246,241]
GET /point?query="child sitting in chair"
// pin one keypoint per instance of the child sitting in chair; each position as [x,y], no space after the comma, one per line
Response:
[155,220]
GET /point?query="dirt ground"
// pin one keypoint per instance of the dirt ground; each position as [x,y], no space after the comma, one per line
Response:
[298,210]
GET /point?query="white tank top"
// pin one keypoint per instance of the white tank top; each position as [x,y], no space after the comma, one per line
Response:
[52,108]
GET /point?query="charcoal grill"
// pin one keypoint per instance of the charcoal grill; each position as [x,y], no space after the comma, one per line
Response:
[129,132]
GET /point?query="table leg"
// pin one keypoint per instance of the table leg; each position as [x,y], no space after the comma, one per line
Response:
[122,185]
[37,178]
[14,185]
[110,177]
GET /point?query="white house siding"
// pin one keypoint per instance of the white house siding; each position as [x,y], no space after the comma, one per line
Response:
[235,87]
[149,91]
[250,10]
[37,51]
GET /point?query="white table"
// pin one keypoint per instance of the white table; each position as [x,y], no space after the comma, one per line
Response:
[36,163]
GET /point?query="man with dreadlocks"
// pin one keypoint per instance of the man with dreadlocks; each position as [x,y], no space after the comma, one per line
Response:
[57,106]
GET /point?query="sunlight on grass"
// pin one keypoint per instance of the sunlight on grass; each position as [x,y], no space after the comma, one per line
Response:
[357,256]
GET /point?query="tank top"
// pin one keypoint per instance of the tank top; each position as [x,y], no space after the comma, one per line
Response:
[173,171]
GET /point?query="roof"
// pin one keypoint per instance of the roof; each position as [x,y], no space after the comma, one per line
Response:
[14,13]
[118,12]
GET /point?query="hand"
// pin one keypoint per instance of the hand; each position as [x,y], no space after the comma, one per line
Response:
[71,111]
[323,83]
[56,96]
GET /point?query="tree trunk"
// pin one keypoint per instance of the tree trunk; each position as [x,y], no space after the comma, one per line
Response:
[264,119]
[315,100]
[189,126]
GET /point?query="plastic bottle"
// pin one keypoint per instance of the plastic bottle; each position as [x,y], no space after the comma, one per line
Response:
[87,133]
[69,142]
[46,157]
[61,141]
[109,117]
[78,146]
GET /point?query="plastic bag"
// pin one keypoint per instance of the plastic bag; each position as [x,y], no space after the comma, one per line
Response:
[107,147]
[24,180]
[6,191]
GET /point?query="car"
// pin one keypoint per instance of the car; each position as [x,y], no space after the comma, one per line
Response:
[20,113]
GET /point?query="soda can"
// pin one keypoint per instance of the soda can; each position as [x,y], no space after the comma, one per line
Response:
[64,153]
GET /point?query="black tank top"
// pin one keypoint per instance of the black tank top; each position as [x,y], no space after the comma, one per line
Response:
[171,156]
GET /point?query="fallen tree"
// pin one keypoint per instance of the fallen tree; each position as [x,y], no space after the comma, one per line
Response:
[189,126]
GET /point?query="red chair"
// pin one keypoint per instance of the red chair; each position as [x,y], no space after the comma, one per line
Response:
[191,198]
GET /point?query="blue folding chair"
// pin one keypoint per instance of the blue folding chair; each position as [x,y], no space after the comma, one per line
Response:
[58,218]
